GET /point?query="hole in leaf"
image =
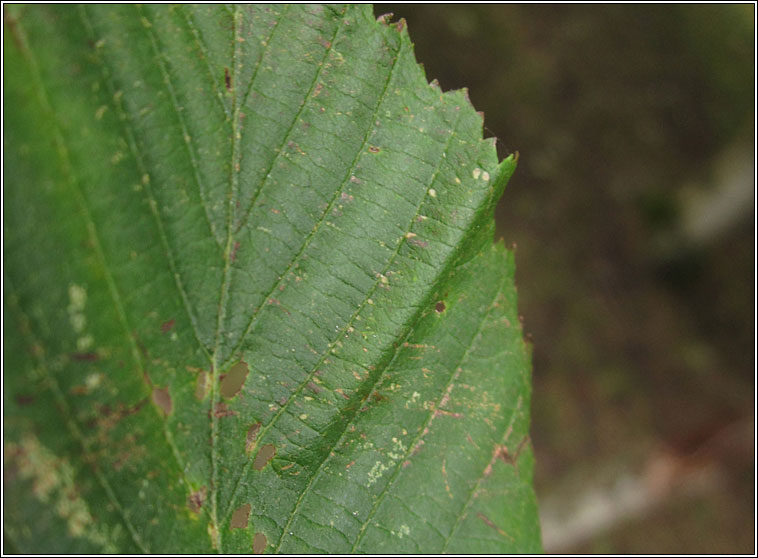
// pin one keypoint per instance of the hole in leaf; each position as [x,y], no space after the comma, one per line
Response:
[232,381]
[259,543]
[265,455]
[162,398]
[240,517]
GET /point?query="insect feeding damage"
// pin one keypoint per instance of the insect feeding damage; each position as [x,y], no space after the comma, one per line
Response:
[259,543]
[266,454]
[232,381]
[240,517]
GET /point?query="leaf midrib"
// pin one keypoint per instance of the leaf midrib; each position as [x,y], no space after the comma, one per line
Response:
[231,231]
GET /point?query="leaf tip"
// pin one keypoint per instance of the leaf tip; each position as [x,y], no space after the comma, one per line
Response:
[509,164]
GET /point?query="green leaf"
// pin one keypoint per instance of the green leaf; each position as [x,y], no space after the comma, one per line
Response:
[251,299]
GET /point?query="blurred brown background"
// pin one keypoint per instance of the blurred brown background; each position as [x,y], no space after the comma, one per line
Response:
[633,213]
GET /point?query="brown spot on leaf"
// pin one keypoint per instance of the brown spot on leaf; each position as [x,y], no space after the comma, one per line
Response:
[373,149]
[84,357]
[197,499]
[486,520]
[227,79]
[132,410]
[232,381]
[266,454]
[313,387]
[162,398]
[442,412]
[259,543]
[440,306]
[417,346]
[24,399]
[240,517]
[221,410]
[420,444]
[12,22]
[252,435]
[489,523]
[511,459]
[167,326]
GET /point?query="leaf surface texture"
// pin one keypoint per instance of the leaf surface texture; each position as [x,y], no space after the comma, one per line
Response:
[252,302]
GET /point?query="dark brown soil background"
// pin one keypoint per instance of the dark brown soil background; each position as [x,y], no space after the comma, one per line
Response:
[632,209]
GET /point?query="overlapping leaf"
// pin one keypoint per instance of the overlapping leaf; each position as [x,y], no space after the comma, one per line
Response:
[252,302]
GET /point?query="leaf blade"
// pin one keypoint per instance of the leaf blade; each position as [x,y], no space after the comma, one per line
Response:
[325,244]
